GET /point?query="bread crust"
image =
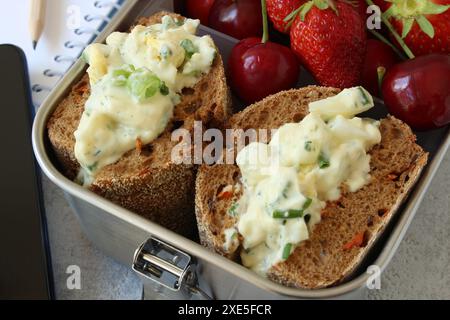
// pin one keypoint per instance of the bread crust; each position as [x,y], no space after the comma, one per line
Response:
[323,260]
[146,181]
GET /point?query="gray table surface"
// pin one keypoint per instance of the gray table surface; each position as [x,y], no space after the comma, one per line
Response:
[419,270]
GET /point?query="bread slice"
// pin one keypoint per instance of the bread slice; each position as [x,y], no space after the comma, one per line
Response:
[146,181]
[326,258]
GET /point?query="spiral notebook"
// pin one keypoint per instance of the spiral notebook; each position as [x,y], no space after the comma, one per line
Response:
[70,26]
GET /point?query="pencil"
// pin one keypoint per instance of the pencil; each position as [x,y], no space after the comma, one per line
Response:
[37,20]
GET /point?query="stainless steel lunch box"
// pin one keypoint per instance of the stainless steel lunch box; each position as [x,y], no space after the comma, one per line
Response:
[172,266]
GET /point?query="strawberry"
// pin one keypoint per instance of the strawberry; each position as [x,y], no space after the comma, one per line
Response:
[423,24]
[277,10]
[384,5]
[361,7]
[330,39]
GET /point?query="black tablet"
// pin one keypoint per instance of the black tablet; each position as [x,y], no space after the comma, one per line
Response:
[24,255]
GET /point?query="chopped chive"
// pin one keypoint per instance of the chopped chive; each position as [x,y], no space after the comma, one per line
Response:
[164,89]
[143,84]
[233,208]
[120,76]
[292,213]
[289,214]
[189,48]
[92,167]
[121,73]
[150,92]
[167,22]
[286,190]
[323,161]
[287,251]
[308,146]
[364,96]
[165,52]
[307,203]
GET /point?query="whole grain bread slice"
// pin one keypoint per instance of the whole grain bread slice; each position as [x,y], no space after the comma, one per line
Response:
[146,181]
[331,253]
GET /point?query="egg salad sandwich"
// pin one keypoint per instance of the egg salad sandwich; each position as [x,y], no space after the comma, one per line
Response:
[112,133]
[304,207]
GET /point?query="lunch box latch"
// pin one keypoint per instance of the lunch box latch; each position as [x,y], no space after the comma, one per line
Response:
[168,267]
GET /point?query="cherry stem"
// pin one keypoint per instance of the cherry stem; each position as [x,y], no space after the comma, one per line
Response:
[265,36]
[381,71]
[380,37]
[397,37]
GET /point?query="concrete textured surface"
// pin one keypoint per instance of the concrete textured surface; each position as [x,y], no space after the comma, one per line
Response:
[101,277]
[419,270]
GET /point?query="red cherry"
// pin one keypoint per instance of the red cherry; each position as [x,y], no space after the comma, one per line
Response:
[237,18]
[199,9]
[418,91]
[378,54]
[259,69]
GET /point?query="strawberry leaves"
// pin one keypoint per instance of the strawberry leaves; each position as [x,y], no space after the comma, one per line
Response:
[385,19]
[434,8]
[306,7]
[323,4]
[410,11]
[425,26]
[407,26]
[303,10]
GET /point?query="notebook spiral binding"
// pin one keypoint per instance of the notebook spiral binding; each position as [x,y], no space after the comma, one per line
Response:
[71,44]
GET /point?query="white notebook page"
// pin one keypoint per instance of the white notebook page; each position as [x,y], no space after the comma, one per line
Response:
[69,26]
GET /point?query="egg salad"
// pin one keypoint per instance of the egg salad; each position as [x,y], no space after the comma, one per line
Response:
[288,181]
[136,79]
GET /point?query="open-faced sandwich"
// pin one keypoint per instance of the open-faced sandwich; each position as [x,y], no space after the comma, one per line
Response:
[305,206]
[112,132]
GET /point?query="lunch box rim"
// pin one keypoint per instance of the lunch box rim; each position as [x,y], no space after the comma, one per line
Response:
[193,248]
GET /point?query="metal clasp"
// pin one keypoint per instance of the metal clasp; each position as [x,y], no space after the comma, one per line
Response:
[167,266]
